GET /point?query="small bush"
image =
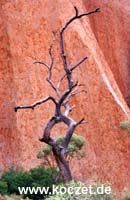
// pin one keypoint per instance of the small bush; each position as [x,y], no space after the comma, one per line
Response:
[42,177]
[36,177]
[3,187]
[77,141]
[67,196]
[126,194]
[15,179]
[47,150]
[125,125]
[74,196]
[75,149]
[103,196]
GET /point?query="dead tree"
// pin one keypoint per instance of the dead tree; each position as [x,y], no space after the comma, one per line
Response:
[60,150]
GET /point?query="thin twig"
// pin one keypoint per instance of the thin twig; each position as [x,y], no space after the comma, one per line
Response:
[82,121]
[41,63]
[78,63]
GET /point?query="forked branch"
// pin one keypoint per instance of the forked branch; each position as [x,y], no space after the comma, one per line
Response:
[50,67]
[77,16]
[71,69]
[62,52]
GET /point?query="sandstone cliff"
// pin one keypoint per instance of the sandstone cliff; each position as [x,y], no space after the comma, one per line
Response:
[26,33]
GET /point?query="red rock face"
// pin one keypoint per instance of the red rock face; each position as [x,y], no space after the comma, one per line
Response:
[26,33]
[111,29]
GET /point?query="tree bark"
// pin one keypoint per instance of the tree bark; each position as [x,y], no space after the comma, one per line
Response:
[62,165]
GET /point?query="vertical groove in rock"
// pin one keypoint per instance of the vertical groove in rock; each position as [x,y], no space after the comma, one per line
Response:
[112,31]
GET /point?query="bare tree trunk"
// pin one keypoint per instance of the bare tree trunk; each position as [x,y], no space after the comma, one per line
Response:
[63,166]
[60,150]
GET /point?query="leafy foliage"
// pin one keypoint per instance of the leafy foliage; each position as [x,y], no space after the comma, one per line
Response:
[103,196]
[75,149]
[67,196]
[3,187]
[126,194]
[43,177]
[15,179]
[125,125]
[36,177]
[75,196]
[76,142]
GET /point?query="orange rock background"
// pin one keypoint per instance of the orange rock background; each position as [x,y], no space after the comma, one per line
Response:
[26,34]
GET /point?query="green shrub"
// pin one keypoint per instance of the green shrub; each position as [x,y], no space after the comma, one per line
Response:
[15,179]
[125,125]
[75,146]
[74,196]
[67,196]
[47,150]
[42,177]
[77,141]
[36,177]
[75,149]
[103,196]
[126,194]
[3,187]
